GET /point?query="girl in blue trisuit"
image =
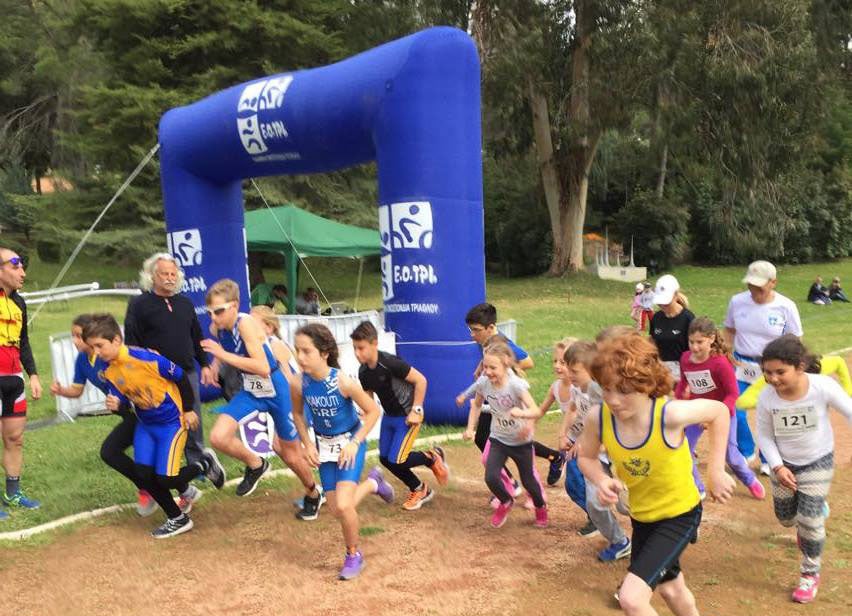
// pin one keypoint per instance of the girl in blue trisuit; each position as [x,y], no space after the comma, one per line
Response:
[340,446]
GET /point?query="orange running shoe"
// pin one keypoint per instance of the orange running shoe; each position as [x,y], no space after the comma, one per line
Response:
[418,498]
[439,467]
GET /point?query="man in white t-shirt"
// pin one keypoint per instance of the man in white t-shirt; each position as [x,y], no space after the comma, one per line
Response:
[755,318]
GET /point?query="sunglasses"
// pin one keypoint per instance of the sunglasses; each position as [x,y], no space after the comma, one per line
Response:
[218,310]
[15,262]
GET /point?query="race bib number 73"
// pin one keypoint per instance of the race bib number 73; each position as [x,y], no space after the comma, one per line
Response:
[329,447]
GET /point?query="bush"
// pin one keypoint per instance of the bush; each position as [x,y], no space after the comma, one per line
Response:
[658,228]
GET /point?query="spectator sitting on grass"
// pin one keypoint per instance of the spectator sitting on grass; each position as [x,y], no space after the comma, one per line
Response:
[835,293]
[818,294]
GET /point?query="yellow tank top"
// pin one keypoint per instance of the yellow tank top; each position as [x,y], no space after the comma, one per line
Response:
[657,475]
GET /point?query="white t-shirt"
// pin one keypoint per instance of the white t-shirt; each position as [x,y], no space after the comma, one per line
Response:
[584,402]
[505,428]
[757,325]
[799,431]
[564,405]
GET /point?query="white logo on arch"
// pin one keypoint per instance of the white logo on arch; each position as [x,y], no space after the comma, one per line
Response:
[185,246]
[256,97]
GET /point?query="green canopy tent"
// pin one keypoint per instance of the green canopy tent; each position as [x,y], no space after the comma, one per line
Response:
[307,235]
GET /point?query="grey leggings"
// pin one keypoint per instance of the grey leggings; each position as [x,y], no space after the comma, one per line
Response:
[805,507]
[524,457]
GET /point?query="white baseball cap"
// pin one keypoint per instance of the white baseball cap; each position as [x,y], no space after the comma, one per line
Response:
[760,273]
[665,289]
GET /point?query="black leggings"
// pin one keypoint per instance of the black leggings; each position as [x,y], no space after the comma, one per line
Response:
[116,443]
[524,460]
[159,486]
[403,471]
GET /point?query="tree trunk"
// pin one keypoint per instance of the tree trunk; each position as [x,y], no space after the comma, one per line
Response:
[568,254]
[546,162]
[661,178]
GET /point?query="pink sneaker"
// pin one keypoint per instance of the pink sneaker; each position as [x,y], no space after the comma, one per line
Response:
[806,591]
[501,513]
[757,490]
[541,517]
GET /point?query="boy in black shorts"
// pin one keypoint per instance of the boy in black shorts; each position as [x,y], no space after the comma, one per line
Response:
[401,390]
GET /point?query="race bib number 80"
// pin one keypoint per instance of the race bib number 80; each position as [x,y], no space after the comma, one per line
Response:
[794,421]
[748,372]
[329,447]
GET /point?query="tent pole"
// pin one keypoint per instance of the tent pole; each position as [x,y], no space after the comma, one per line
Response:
[292,266]
[358,285]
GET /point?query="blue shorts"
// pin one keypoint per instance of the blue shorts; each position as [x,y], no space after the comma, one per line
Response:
[160,446]
[331,474]
[279,407]
[396,438]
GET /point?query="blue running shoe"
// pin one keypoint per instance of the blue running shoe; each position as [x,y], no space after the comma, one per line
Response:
[615,551]
[19,500]
[3,515]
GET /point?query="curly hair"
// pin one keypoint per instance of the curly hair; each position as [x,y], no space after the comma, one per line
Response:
[146,274]
[631,364]
[323,340]
[707,328]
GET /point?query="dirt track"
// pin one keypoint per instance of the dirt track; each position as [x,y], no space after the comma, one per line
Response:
[252,557]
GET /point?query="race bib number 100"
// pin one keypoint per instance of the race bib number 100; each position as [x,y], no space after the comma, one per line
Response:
[329,447]
[794,421]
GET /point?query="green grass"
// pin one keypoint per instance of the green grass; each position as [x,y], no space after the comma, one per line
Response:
[62,466]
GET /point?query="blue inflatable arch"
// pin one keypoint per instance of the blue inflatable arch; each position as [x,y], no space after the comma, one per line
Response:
[411,105]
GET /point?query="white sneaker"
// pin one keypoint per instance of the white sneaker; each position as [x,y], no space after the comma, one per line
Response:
[765,470]
[186,500]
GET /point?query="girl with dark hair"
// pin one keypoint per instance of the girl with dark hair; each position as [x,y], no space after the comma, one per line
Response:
[706,371]
[643,433]
[341,436]
[795,435]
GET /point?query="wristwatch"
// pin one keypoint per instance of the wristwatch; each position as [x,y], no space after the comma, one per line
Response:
[417,409]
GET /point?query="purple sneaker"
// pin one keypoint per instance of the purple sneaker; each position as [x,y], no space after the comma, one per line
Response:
[352,566]
[383,488]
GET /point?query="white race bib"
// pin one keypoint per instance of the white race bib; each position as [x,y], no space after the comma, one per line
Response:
[794,421]
[748,372]
[674,368]
[329,447]
[700,381]
[258,386]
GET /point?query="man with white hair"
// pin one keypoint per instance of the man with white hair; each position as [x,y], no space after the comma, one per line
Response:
[164,320]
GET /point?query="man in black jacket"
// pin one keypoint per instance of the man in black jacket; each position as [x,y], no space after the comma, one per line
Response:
[164,320]
[16,356]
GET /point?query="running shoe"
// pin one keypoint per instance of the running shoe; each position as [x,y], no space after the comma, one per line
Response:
[311,506]
[251,477]
[19,500]
[213,469]
[418,498]
[541,517]
[383,489]
[757,490]
[702,494]
[439,466]
[3,515]
[826,510]
[615,551]
[588,530]
[352,566]
[765,470]
[186,499]
[501,514]
[173,527]
[555,472]
[145,505]
[806,591]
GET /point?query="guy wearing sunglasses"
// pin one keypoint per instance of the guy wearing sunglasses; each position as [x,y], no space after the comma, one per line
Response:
[241,343]
[15,356]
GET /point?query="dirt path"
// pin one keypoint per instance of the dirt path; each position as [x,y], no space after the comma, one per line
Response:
[253,557]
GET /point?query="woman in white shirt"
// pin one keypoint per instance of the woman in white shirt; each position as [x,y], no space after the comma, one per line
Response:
[795,435]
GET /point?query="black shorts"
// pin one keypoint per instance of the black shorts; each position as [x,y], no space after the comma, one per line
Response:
[657,546]
[12,396]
